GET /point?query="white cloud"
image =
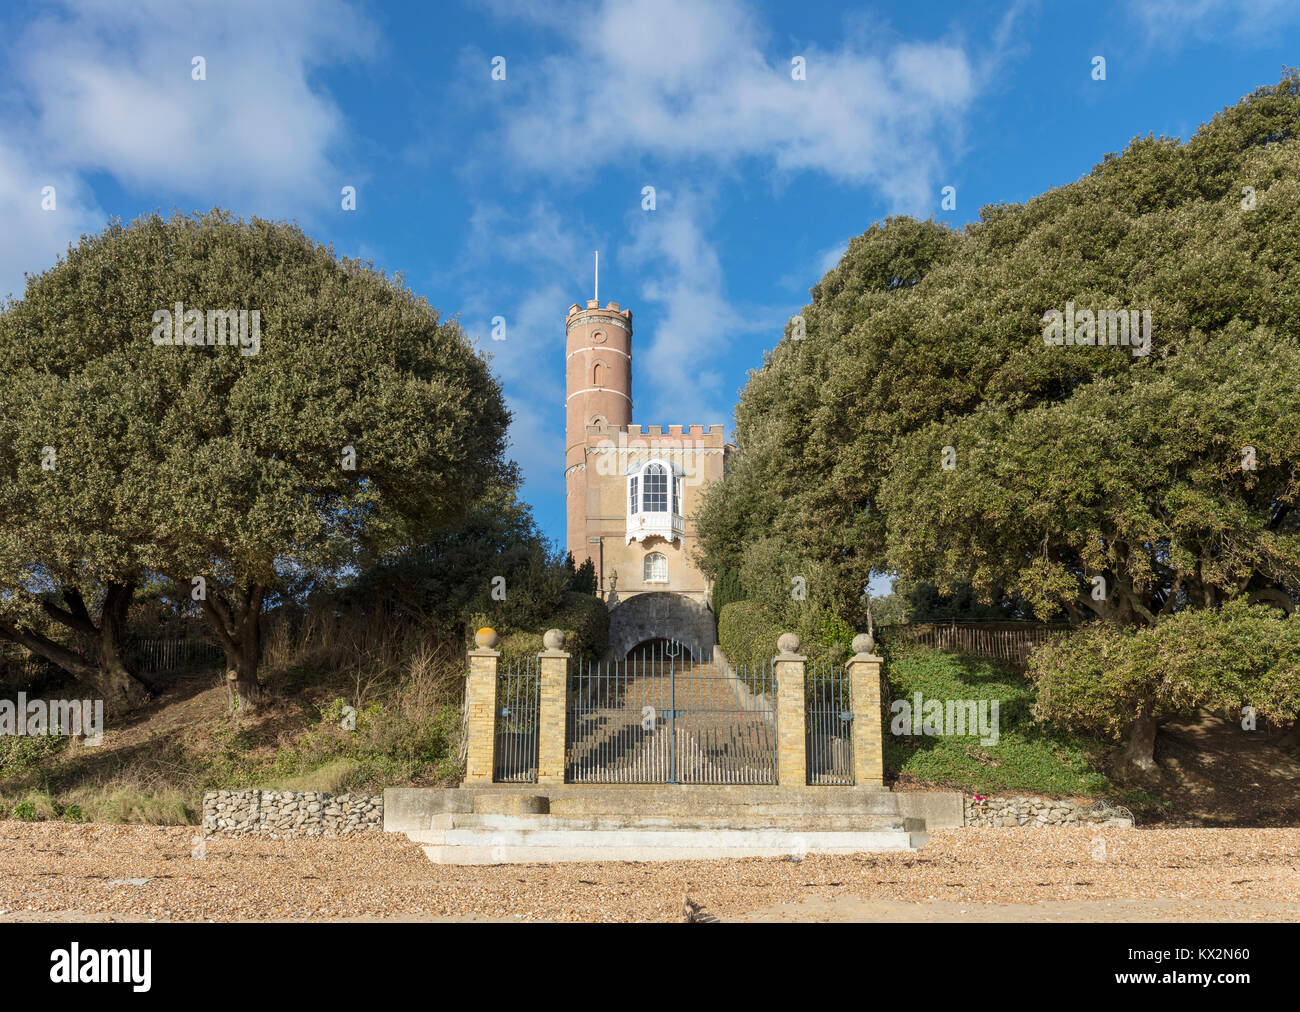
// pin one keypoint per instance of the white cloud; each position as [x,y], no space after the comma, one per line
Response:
[683,274]
[35,237]
[112,91]
[684,80]
[107,88]
[1174,22]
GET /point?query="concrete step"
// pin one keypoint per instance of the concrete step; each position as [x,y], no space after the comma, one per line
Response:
[546,846]
[789,823]
[409,809]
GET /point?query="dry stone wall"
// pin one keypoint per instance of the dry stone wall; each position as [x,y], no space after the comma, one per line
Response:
[1033,812]
[284,814]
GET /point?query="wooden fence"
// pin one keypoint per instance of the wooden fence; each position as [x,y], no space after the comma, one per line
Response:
[160,654]
[153,655]
[1010,642]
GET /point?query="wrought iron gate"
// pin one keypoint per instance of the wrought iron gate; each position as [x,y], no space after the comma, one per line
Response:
[662,717]
[517,722]
[829,725]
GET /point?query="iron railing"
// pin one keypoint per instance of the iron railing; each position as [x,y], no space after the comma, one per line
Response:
[514,753]
[829,725]
[661,717]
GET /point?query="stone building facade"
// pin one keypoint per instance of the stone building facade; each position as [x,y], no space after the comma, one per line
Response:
[631,491]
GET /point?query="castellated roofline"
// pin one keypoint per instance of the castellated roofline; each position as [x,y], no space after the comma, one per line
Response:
[673,430]
[593,308]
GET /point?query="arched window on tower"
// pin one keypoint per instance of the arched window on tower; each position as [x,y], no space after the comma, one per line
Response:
[598,374]
[655,568]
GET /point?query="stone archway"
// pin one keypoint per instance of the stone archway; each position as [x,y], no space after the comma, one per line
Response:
[661,615]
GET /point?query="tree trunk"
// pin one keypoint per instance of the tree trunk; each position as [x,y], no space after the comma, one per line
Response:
[110,674]
[114,665]
[1140,749]
[240,631]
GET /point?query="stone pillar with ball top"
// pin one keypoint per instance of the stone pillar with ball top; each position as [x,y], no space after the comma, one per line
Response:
[791,712]
[553,706]
[481,708]
[865,688]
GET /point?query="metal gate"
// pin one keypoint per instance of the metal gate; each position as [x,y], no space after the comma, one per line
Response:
[517,720]
[662,717]
[829,725]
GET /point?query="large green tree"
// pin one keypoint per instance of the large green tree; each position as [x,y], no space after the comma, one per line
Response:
[359,419]
[1066,463]
[917,421]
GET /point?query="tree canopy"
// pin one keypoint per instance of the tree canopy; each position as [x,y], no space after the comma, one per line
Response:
[358,420]
[924,426]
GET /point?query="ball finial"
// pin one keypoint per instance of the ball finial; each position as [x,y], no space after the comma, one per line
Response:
[486,638]
[788,643]
[864,643]
[553,640]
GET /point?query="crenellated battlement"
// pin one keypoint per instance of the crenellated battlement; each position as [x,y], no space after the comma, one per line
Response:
[577,313]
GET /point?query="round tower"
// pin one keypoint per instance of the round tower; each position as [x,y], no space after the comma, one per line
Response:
[598,391]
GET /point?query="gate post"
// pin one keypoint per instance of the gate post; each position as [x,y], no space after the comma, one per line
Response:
[791,716]
[481,708]
[553,708]
[864,691]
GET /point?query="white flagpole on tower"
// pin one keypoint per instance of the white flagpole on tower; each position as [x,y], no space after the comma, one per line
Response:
[597,296]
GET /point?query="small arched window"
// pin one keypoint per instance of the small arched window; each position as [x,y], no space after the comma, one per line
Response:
[655,568]
[598,374]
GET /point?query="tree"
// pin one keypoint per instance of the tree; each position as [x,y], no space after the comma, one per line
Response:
[493,561]
[726,588]
[922,338]
[1119,682]
[923,426]
[352,420]
[582,579]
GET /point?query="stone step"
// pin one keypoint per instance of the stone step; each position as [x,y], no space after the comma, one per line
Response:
[546,846]
[440,825]
[408,809]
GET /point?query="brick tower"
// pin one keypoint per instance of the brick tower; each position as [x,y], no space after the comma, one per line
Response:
[598,391]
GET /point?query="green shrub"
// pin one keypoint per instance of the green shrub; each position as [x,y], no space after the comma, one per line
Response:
[747,633]
[25,811]
[73,813]
[726,588]
[1100,678]
[24,754]
[582,618]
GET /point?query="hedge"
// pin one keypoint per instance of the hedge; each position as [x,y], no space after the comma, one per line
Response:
[748,631]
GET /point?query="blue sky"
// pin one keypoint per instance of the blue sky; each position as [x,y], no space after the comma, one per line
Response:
[489,196]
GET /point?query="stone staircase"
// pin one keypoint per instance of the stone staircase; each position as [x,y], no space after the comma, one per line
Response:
[718,739]
[505,824]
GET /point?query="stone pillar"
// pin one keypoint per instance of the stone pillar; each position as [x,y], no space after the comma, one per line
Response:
[481,708]
[791,713]
[864,693]
[553,669]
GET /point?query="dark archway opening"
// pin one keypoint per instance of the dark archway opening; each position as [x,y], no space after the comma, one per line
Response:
[661,650]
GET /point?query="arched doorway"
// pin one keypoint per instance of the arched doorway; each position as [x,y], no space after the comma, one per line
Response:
[661,649]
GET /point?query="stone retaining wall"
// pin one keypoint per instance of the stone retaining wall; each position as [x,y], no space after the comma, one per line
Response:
[283,814]
[1034,812]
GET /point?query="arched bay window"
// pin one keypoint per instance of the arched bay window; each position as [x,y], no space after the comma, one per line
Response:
[654,501]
